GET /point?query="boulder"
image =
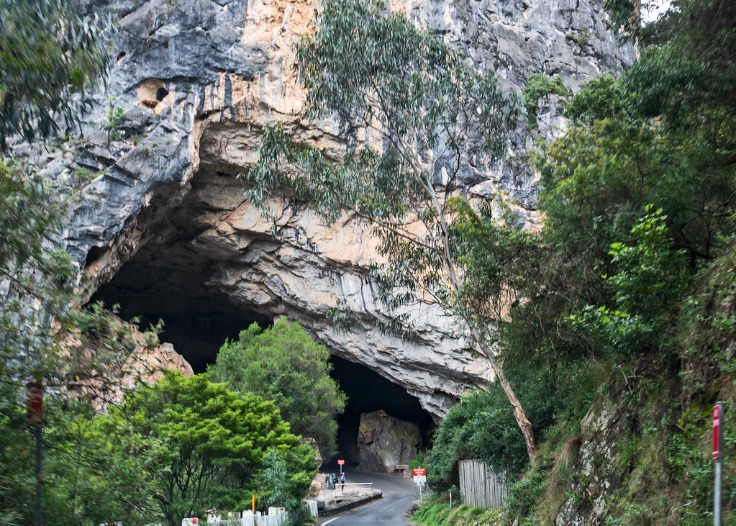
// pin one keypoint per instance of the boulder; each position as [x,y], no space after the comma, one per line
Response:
[385,442]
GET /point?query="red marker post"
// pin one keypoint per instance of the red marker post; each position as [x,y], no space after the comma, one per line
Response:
[718,457]
[341,463]
[34,416]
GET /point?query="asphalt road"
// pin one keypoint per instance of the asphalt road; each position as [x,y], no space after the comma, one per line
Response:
[398,494]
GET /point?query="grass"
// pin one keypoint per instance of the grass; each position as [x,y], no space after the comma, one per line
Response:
[437,513]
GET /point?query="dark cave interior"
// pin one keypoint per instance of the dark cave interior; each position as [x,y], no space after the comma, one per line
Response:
[197,322]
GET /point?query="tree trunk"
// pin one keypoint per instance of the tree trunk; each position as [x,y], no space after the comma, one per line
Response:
[525,425]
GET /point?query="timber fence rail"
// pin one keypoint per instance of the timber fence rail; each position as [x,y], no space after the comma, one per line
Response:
[480,486]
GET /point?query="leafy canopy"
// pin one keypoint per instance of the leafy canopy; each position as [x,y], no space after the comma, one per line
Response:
[201,446]
[283,364]
[635,285]
[49,54]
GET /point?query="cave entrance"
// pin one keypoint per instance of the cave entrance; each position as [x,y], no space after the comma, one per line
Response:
[367,391]
[195,323]
[178,275]
[167,283]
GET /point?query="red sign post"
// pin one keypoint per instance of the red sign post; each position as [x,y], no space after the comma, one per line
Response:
[420,478]
[34,403]
[341,463]
[717,431]
[34,416]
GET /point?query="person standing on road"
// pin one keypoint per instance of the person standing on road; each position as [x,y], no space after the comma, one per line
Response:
[342,481]
[328,482]
[334,481]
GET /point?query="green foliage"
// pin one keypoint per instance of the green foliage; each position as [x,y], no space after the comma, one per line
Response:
[482,426]
[620,298]
[365,62]
[418,461]
[687,78]
[151,336]
[86,481]
[649,281]
[538,86]
[525,494]
[114,119]
[706,328]
[196,445]
[436,513]
[492,254]
[170,450]
[601,98]
[339,316]
[38,288]
[279,486]
[285,365]
[49,54]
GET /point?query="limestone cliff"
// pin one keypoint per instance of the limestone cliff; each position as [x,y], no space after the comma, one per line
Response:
[193,82]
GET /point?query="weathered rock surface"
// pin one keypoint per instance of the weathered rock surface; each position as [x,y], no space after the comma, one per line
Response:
[385,442]
[594,458]
[146,362]
[196,80]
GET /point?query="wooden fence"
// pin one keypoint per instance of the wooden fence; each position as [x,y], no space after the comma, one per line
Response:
[479,485]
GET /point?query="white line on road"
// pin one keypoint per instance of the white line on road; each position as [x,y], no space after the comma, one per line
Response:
[329,521]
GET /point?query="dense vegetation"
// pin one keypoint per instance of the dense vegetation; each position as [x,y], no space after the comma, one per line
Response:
[283,364]
[376,71]
[170,450]
[182,446]
[628,296]
[621,310]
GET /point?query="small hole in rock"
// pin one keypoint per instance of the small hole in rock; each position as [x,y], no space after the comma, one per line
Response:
[94,254]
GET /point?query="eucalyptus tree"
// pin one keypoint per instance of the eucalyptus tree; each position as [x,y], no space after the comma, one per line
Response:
[49,55]
[427,113]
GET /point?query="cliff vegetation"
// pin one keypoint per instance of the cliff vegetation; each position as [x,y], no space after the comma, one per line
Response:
[623,335]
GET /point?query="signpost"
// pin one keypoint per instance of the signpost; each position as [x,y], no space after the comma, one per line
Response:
[34,416]
[718,457]
[420,478]
[341,463]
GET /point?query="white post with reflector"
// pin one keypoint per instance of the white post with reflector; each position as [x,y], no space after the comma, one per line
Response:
[718,457]
[190,521]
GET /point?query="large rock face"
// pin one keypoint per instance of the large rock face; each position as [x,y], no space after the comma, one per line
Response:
[385,442]
[193,83]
